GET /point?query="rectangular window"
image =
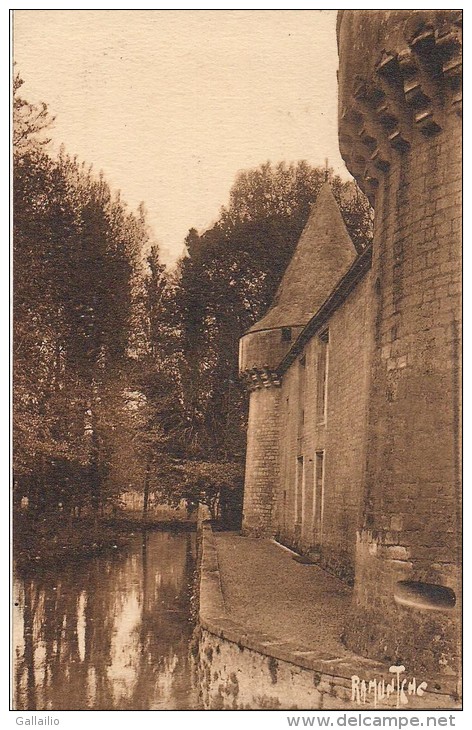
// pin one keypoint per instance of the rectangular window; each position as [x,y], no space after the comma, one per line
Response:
[322,377]
[301,394]
[287,473]
[318,496]
[301,404]
[299,491]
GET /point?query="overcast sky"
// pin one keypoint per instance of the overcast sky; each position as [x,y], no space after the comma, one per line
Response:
[171,104]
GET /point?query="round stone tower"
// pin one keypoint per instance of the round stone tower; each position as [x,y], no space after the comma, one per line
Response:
[322,256]
[400,136]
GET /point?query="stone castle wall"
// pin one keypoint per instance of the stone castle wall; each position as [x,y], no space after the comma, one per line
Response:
[241,669]
[341,438]
[262,461]
[401,137]
[391,509]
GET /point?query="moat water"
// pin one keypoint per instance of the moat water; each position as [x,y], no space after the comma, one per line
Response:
[113,633]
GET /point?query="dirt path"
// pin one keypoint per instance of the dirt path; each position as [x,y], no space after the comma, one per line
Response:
[266,590]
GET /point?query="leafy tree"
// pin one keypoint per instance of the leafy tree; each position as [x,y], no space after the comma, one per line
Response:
[224,284]
[76,251]
[227,282]
[199,482]
[30,122]
[125,373]
[155,284]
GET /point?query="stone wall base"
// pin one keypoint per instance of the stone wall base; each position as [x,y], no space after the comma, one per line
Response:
[243,669]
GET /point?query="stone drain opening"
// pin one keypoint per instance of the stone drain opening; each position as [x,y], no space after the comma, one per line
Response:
[429,596]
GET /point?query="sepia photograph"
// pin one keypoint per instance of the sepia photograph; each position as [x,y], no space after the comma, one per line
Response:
[236,254]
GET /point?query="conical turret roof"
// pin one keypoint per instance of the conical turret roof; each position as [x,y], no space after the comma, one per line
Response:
[323,255]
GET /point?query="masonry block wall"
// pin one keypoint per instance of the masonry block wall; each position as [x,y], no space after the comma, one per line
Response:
[372,489]
[262,462]
[285,515]
[348,377]
[323,254]
[339,438]
[400,137]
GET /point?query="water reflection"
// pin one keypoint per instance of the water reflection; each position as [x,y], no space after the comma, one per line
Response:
[112,633]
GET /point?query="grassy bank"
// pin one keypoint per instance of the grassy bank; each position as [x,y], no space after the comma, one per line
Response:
[40,542]
[134,520]
[44,541]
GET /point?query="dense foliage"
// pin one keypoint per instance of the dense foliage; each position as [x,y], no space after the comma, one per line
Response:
[75,252]
[125,374]
[228,280]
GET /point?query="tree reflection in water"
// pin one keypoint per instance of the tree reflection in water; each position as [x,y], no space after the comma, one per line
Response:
[109,634]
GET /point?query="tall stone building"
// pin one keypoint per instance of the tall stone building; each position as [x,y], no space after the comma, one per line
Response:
[353,440]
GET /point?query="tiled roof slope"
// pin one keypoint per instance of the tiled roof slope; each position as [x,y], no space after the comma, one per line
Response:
[323,255]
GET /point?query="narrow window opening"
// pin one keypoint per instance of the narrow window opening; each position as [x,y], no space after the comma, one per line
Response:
[322,377]
[299,491]
[301,401]
[318,496]
[286,334]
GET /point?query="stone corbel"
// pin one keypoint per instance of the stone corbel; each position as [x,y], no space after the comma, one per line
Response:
[258,378]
